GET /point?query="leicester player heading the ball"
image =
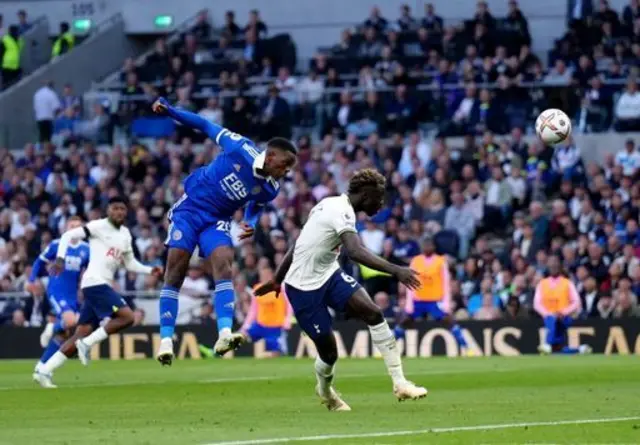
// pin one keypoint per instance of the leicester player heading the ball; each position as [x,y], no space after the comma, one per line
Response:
[241,174]
[110,246]
[314,282]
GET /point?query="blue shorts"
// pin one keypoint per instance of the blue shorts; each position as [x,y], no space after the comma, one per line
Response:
[63,303]
[311,307]
[100,302]
[190,226]
[557,328]
[422,309]
[274,338]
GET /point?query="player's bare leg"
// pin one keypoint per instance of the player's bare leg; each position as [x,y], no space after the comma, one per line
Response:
[120,320]
[44,374]
[360,305]
[175,273]
[221,260]
[324,367]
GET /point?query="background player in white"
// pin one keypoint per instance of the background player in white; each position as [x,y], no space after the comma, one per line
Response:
[110,245]
[315,282]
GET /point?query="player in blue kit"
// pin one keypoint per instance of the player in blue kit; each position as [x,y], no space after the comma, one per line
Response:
[241,174]
[62,290]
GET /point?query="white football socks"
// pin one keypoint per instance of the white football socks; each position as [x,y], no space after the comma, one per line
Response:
[383,338]
[95,337]
[324,376]
[53,363]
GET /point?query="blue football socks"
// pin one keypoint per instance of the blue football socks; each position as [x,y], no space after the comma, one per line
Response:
[168,311]
[224,303]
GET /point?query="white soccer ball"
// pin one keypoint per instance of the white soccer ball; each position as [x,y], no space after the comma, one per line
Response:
[553,126]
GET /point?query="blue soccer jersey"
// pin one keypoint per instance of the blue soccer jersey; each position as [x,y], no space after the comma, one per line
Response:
[213,193]
[62,289]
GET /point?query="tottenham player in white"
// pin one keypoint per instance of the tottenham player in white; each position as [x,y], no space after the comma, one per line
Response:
[110,246]
[314,282]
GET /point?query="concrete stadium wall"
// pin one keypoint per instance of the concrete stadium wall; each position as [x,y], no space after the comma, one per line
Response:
[98,56]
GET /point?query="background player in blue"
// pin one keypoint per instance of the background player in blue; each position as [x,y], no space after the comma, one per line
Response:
[62,290]
[241,174]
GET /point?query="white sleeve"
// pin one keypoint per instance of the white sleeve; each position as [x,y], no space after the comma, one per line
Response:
[342,219]
[78,232]
[130,261]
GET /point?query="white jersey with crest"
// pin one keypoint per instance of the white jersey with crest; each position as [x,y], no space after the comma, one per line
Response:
[109,249]
[315,257]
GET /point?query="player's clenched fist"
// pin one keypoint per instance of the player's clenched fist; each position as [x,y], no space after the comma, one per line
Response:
[159,106]
[157,271]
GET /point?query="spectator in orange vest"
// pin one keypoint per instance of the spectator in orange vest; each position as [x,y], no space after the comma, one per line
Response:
[556,300]
[268,318]
[433,297]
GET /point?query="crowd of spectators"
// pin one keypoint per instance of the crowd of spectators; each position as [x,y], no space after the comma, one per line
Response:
[387,75]
[497,206]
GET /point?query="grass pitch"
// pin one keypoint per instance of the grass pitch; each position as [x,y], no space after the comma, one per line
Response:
[557,399]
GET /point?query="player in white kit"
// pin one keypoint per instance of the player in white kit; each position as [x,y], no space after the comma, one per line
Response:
[314,282]
[110,246]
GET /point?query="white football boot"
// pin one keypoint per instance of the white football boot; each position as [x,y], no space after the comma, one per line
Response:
[165,353]
[44,380]
[409,391]
[229,342]
[332,401]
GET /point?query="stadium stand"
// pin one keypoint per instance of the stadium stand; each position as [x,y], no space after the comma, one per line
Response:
[390,94]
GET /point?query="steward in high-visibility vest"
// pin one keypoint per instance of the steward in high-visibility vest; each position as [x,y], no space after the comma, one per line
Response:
[12,45]
[556,300]
[65,41]
[269,317]
[433,297]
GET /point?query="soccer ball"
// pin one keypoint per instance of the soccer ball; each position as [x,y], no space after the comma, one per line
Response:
[553,126]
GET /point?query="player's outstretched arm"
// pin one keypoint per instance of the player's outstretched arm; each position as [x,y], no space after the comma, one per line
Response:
[161,106]
[360,254]
[135,266]
[281,271]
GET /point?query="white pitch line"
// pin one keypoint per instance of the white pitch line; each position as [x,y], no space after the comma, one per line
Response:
[454,429]
[260,378]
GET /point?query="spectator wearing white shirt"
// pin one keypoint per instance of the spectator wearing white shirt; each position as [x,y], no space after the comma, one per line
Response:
[212,112]
[286,83]
[46,104]
[566,160]
[311,88]
[372,238]
[100,170]
[518,186]
[415,149]
[628,159]
[195,284]
[627,109]
[21,225]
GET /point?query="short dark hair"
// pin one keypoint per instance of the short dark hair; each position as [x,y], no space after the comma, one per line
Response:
[118,200]
[366,178]
[282,144]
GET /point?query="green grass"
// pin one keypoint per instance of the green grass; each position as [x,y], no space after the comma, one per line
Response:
[203,402]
